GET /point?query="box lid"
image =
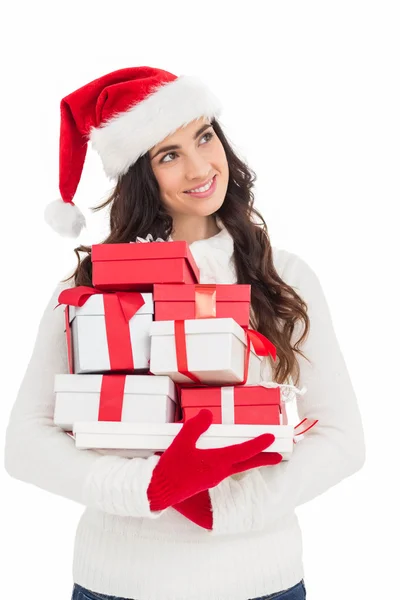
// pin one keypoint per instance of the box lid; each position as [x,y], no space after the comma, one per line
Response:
[225,292]
[134,384]
[150,250]
[212,325]
[193,326]
[95,306]
[245,395]
[149,429]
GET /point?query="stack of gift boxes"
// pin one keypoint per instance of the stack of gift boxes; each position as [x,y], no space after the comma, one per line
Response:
[149,347]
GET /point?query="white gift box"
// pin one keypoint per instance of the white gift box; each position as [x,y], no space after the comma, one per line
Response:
[215,351]
[146,398]
[89,338]
[153,437]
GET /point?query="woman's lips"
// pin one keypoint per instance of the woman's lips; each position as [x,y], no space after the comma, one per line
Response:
[207,193]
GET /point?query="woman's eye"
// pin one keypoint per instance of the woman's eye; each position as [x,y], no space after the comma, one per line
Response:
[169,154]
[174,153]
[208,133]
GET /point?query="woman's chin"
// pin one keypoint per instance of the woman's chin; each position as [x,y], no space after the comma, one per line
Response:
[204,208]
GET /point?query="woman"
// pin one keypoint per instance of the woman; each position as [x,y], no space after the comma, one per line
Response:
[144,535]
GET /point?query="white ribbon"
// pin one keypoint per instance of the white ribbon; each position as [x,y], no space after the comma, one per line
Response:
[148,238]
[289,392]
[227,405]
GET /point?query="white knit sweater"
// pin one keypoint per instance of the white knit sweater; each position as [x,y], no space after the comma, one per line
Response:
[123,549]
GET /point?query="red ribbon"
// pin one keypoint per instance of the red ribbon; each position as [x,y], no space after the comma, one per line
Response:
[181,351]
[111,397]
[119,308]
[262,346]
[304,425]
[69,341]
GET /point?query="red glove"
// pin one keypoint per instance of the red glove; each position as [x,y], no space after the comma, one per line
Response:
[198,509]
[184,470]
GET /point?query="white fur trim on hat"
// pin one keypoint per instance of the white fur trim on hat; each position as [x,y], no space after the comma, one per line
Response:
[65,218]
[129,135]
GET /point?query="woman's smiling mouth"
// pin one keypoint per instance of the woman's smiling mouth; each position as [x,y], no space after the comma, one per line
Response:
[205,190]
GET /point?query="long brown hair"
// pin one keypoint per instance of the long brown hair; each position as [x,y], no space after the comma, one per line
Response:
[136,210]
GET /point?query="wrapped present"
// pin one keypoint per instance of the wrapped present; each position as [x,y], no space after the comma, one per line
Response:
[129,438]
[202,301]
[242,405]
[122,398]
[107,331]
[212,351]
[137,266]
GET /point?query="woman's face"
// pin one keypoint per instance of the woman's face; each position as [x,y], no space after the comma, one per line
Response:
[197,159]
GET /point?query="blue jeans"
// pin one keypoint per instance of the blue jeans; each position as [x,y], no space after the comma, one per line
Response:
[297,592]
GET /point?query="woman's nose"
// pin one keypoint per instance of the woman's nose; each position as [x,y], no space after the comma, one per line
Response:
[197,169]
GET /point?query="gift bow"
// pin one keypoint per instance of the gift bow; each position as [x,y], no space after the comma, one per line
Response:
[148,238]
[289,392]
[119,308]
[261,344]
[129,302]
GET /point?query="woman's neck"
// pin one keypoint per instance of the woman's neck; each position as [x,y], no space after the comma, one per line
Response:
[191,229]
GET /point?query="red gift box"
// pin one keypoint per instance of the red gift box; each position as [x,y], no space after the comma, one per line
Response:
[137,266]
[202,301]
[240,405]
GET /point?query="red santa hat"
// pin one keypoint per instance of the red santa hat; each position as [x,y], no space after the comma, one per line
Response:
[123,114]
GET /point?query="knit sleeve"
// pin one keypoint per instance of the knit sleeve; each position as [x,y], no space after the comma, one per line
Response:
[331,451]
[40,453]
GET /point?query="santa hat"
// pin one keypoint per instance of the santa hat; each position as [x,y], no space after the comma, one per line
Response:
[123,115]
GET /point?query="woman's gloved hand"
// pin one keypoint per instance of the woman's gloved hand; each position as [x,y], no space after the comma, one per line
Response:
[197,509]
[184,470]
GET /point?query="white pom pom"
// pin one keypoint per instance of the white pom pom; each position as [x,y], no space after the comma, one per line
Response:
[65,218]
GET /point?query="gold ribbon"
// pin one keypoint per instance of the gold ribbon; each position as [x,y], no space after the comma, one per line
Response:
[205,300]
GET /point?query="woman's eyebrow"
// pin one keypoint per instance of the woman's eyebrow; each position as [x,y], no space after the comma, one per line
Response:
[176,147]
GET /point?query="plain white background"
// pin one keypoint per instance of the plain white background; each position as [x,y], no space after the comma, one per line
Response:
[311,96]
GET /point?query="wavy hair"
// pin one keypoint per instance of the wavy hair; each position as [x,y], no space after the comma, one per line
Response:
[136,210]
